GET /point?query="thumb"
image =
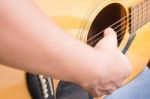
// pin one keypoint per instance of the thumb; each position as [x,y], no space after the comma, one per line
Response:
[109,40]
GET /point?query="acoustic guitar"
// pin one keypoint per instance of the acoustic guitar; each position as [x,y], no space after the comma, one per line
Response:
[86,20]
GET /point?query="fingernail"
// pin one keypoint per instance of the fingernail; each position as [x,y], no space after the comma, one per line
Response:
[109,30]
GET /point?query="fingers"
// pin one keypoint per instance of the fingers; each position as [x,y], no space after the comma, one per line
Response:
[109,41]
[103,89]
[110,32]
[111,37]
[98,92]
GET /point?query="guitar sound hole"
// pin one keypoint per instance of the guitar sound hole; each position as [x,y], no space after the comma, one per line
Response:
[108,16]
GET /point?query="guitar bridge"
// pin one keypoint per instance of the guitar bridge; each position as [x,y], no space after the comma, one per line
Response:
[40,87]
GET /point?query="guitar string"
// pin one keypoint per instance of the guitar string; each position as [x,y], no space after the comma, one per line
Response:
[130,3]
[102,37]
[120,29]
[116,23]
[117,35]
[133,21]
[102,31]
[141,23]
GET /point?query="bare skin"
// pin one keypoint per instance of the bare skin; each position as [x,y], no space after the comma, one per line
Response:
[30,41]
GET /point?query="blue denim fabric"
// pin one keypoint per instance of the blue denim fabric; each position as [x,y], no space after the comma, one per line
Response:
[139,88]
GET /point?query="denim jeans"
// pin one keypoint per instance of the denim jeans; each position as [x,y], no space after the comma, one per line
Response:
[138,88]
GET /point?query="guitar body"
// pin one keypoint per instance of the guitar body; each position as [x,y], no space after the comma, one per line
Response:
[84,19]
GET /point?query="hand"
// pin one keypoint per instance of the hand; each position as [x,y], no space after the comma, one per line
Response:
[110,75]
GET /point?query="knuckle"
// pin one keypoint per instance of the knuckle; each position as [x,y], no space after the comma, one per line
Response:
[110,92]
[116,85]
[96,94]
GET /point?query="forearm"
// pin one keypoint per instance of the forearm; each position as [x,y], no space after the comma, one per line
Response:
[30,41]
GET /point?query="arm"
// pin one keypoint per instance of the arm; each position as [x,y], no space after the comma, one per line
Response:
[32,42]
